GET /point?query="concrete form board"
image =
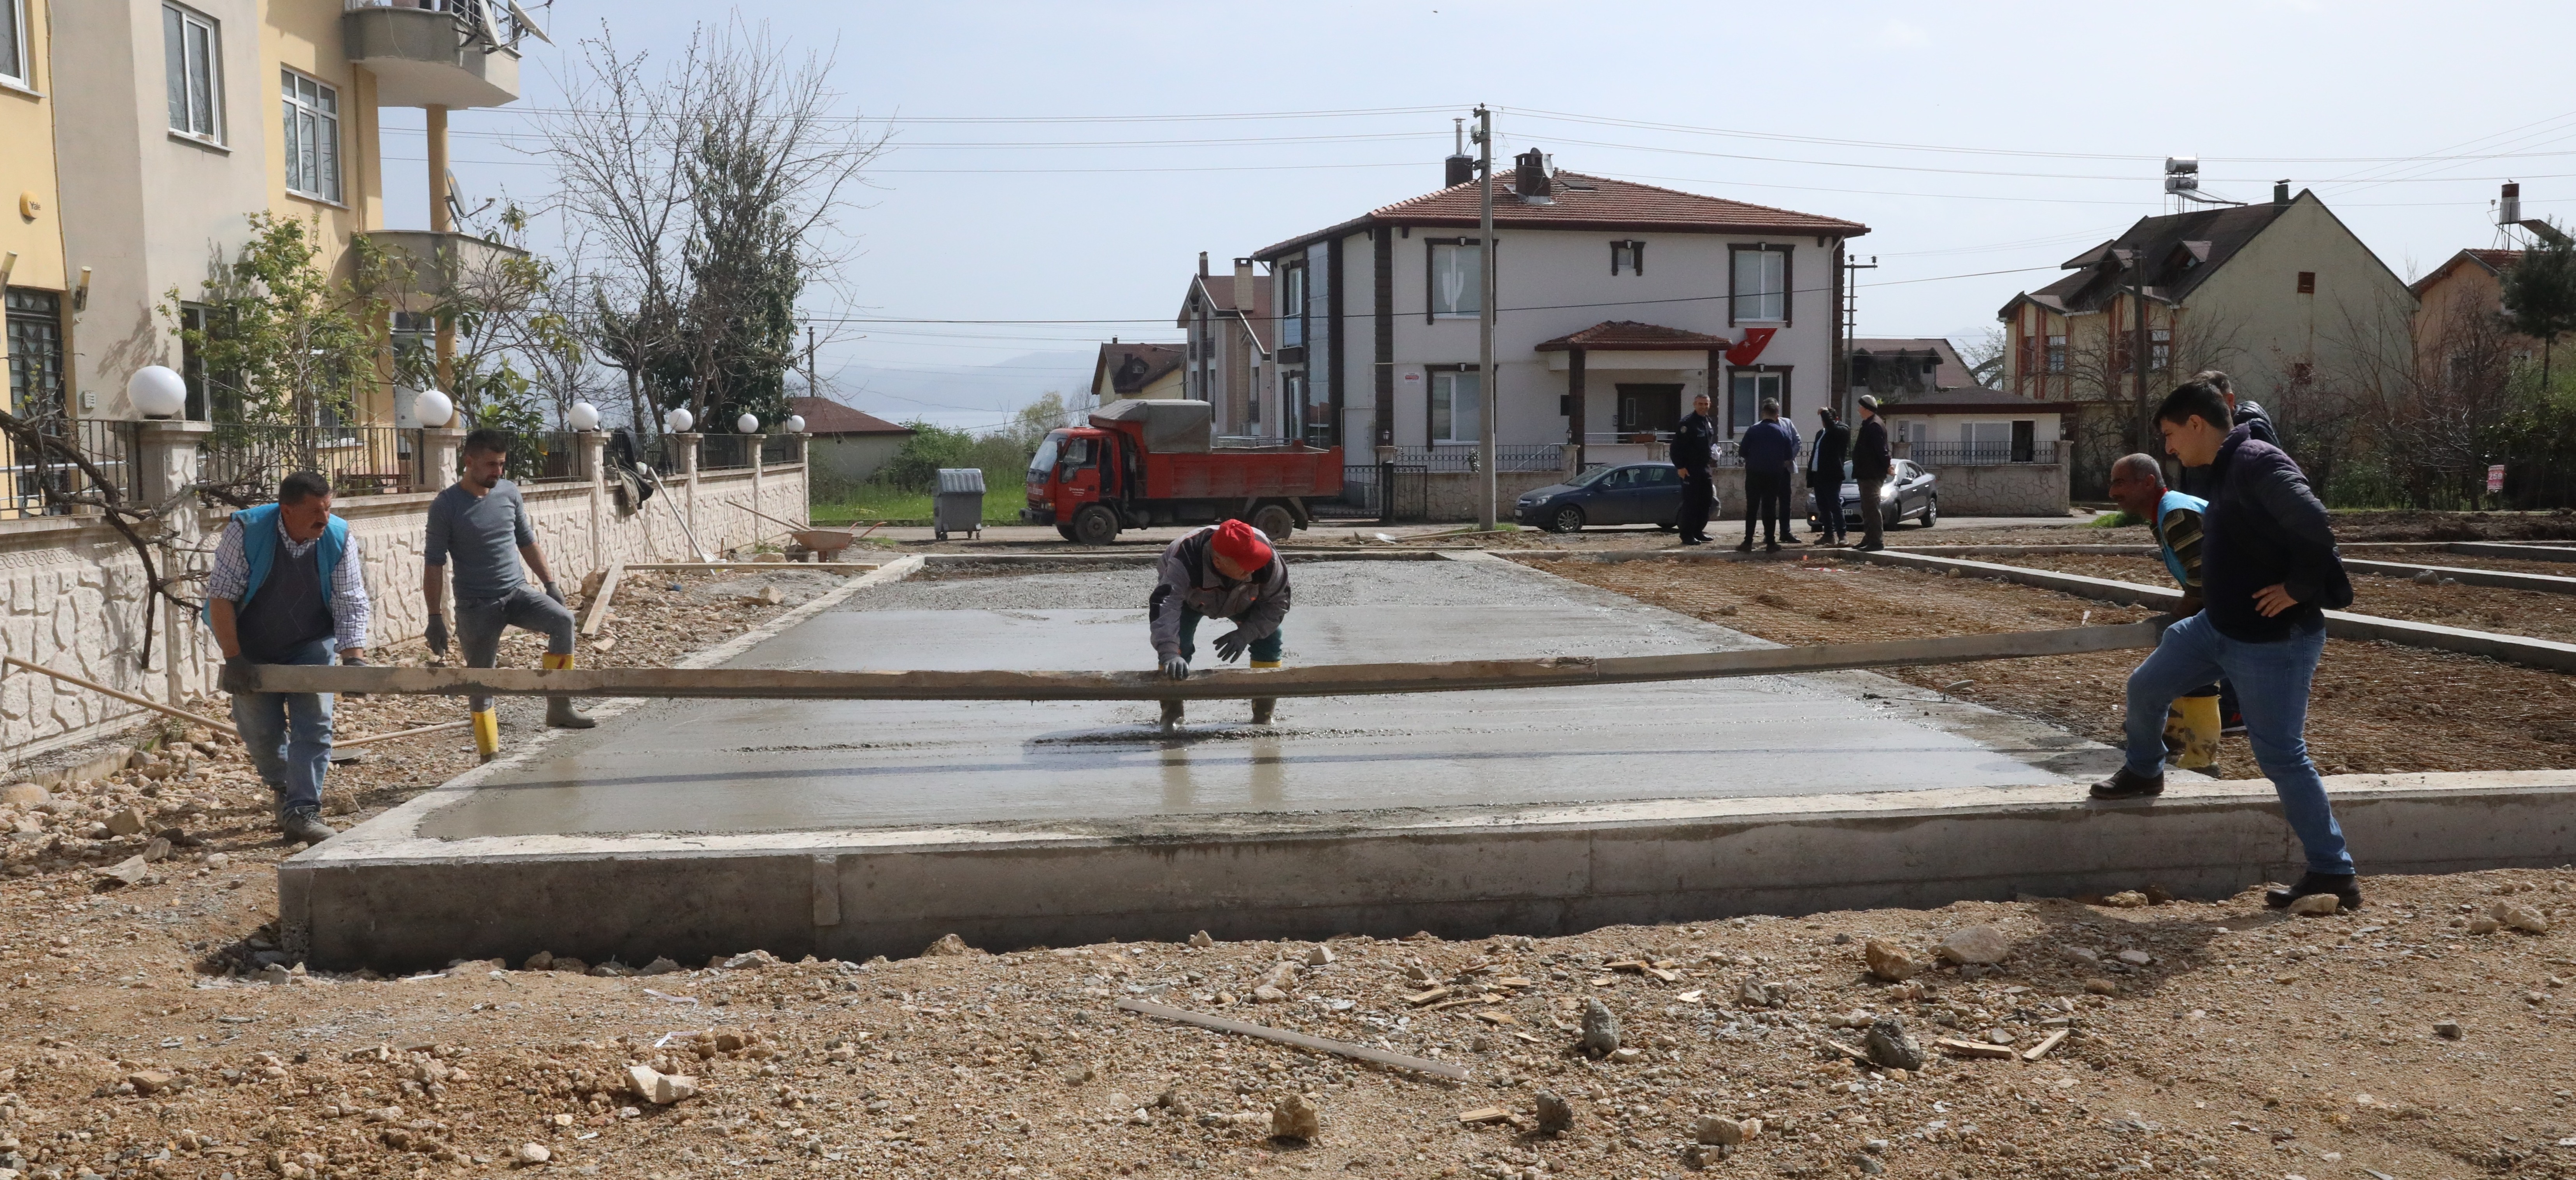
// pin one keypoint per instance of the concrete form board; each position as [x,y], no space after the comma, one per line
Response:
[2525,552]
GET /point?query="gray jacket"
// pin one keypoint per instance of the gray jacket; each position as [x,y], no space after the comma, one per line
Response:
[1189,579]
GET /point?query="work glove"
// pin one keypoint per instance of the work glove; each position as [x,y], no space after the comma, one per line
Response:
[1175,668]
[556,592]
[1229,646]
[438,634]
[349,661]
[236,675]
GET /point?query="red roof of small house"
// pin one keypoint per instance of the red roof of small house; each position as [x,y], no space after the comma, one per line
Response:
[1151,362]
[2496,262]
[824,416]
[1631,336]
[1578,201]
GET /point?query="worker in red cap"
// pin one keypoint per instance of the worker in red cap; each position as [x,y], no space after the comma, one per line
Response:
[1225,571]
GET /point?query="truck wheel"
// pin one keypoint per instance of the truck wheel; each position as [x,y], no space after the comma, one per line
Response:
[1275,521]
[1065,531]
[1095,525]
[1567,519]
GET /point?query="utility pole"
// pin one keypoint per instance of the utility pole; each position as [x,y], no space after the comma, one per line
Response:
[1850,329]
[811,389]
[1485,320]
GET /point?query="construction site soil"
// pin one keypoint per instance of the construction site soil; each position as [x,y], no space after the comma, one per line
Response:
[141,1033]
[2377,708]
[2479,608]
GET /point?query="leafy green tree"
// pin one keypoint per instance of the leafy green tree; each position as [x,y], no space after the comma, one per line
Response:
[282,344]
[2540,295]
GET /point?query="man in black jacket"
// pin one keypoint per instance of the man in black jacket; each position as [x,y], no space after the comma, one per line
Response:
[1825,476]
[1871,465]
[1694,451]
[2203,481]
[2269,571]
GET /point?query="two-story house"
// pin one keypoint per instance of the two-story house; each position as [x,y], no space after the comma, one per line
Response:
[2276,294]
[1615,304]
[1226,356]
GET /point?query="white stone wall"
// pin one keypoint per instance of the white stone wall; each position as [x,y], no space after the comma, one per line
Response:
[71,592]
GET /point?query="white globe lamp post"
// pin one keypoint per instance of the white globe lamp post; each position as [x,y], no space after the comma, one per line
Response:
[584,416]
[679,420]
[795,424]
[157,391]
[747,424]
[433,409]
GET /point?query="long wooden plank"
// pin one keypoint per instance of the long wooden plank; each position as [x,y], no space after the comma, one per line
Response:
[1329,680]
[2499,579]
[127,697]
[2524,552]
[597,615]
[1301,1040]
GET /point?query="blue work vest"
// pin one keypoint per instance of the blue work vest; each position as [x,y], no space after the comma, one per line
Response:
[2166,505]
[259,550]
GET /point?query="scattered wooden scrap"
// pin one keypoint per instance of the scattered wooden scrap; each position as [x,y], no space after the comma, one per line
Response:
[1485,1114]
[1491,1016]
[595,615]
[1977,1049]
[1301,1040]
[1690,997]
[1418,999]
[371,739]
[1832,1045]
[2041,1049]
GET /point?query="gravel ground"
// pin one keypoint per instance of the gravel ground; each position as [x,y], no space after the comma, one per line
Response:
[2203,1039]
[2478,608]
[2377,708]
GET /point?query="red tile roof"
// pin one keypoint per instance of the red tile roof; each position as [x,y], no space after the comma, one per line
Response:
[1154,360]
[825,416]
[1631,336]
[1953,373]
[1586,202]
[2496,261]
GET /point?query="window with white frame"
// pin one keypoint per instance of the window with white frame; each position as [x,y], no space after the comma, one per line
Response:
[191,58]
[14,55]
[1292,305]
[1747,393]
[1457,279]
[312,136]
[2057,354]
[1457,405]
[1761,284]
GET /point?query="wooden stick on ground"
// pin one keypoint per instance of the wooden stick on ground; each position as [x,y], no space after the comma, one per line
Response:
[597,616]
[128,698]
[372,739]
[1329,680]
[1301,1040]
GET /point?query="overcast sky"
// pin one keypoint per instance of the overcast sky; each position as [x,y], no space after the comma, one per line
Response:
[1087,174]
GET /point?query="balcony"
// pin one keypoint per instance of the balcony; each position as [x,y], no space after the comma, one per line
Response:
[445,264]
[424,55]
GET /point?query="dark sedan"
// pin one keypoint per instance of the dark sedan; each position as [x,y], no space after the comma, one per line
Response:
[1639,493]
[1911,491]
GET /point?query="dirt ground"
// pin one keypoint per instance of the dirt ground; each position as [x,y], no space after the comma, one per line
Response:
[2377,708]
[2478,608]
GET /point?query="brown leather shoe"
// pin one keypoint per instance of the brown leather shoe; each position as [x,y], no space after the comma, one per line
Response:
[2124,785]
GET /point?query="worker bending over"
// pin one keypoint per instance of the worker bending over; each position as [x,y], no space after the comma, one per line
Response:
[1228,572]
[2193,727]
[479,520]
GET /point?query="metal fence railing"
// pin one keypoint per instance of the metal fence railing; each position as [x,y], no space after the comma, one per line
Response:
[1456,458]
[777,450]
[719,452]
[1982,454]
[243,462]
[539,456]
[1378,491]
[109,446]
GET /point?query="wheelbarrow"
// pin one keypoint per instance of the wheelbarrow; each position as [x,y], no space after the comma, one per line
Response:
[827,544]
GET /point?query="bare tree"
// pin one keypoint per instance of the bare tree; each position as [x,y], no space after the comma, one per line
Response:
[2118,417]
[2426,407]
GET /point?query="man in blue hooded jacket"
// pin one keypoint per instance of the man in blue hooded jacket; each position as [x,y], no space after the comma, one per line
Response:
[288,588]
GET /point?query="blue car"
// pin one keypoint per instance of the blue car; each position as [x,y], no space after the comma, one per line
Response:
[1638,493]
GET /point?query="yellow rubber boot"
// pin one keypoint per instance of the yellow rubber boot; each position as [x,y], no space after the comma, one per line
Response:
[559,710]
[2191,732]
[487,733]
[1262,706]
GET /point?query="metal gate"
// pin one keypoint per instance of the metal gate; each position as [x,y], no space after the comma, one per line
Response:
[1387,492]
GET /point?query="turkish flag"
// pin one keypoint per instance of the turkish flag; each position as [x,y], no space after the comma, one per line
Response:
[1755,340]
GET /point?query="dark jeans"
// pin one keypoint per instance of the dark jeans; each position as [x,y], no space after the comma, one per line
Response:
[1788,500]
[479,623]
[1873,525]
[1828,499]
[1264,650]
[288,734]
[2273,680]
[1696,496]
[1766,503]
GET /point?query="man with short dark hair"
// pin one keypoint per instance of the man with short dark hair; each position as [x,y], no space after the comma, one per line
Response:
[2269,571]
[1871,464]
[2199,481]
[288,588]
[1825,476]
[1770,451]
[1694,450]
[481,522]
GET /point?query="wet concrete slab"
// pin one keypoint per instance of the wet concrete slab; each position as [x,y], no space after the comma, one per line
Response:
[724,767]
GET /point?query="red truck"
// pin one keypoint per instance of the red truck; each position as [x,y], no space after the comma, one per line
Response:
[1149,461]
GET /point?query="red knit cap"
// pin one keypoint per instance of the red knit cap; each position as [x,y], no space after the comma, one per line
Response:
[1242,544]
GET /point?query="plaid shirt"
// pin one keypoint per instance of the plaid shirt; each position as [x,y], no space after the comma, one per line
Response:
[349,610]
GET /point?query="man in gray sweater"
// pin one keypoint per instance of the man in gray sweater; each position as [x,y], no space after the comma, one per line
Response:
[481,522]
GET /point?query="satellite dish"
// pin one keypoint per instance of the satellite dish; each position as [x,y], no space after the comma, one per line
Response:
[527,22]
[480,11]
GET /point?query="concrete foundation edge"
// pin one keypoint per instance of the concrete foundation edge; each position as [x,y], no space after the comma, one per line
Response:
[855,895]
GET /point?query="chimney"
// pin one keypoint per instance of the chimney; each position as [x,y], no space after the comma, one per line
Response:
[1243,299]
[2509,206]
[2280,192]
[1459,167]
[1202,264]
[1529,176]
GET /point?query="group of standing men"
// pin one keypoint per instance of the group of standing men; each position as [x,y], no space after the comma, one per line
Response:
[1769,449]
[289,587]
